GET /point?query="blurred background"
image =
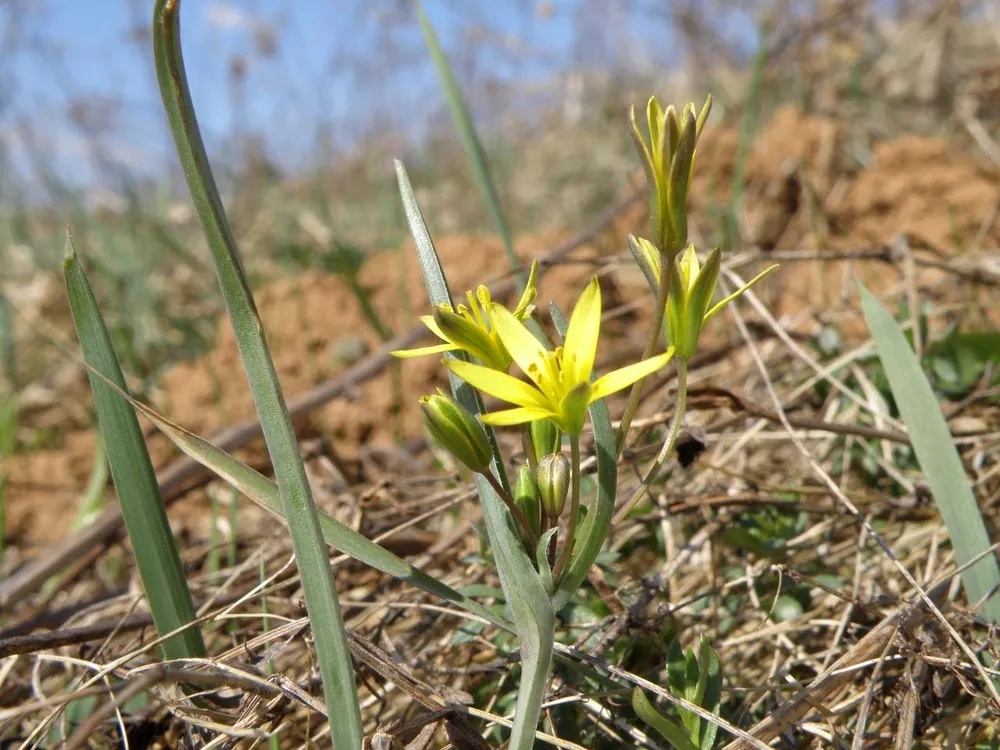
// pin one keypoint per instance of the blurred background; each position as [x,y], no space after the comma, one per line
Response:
[297,84]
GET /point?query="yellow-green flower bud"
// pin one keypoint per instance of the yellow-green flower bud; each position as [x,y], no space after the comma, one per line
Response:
[691,291]
[470,337]
[526,498]
[545,437]
[455,429]
[553,483]
[667,149]
[689,303]
[647,257]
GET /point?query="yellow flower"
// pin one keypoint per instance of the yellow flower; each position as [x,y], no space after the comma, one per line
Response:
[472,328]
[560,387]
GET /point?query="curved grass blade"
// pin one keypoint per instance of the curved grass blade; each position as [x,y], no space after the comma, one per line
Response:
[529,603]
[156,555]
[935,450]
[668,728]
[332,648]
[264,492]
[470,140]
[593,532]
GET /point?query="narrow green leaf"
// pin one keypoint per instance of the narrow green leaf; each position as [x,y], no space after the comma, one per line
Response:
[711,699]
[264,492]
[527,598]
[690,693]
[542,557]
[593,531]
[470,139]
[935,450]
[156,555]
[8,358]
[747,128]
[93,500]
[326,619]
[668,729]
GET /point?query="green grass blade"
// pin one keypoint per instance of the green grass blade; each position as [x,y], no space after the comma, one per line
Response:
[156,555]
[935,450]
[470,139]
[731,230]
[533,615]
[93,500]
[326,619]
[597,524]
[8,358]
[264,492]
[668,728]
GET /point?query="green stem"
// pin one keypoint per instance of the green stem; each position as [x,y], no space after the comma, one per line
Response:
[574,508]
[654,335]
[512,507]
[668,444]
[528,447]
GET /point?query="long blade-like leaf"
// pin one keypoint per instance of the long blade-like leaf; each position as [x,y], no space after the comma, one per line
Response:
[332,647]
[264,492]
[533,615]
[470,139]
[156,555]
[933,444]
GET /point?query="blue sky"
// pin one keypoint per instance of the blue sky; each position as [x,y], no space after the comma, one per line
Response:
[341,64]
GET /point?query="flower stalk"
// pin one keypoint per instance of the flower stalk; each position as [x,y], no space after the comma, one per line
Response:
[574,509]
[666,449]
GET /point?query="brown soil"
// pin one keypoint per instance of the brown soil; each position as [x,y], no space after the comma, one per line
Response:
[916,186]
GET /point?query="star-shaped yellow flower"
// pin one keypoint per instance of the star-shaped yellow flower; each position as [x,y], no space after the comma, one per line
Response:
[560,387]
[472,328]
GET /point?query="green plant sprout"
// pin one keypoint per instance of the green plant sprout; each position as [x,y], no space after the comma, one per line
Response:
[698,680]
[542,557]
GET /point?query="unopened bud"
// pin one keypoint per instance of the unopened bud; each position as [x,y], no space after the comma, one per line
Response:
[544,437]
[553,483]
[455,429]
[526,498]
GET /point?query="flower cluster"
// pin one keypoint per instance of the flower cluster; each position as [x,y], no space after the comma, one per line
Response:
[554,386]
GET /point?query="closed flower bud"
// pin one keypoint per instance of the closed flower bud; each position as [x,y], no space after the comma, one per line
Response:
[691,289]
[526,498]
[553,483]
[545,437]
[455,429]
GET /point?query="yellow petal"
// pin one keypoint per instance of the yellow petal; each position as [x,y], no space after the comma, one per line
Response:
[689,267]
[423,351]
[498,384]
[529,293]
[580,346]
[711,313]
[428,320]
[625,376]
[519,342]
[521,415]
